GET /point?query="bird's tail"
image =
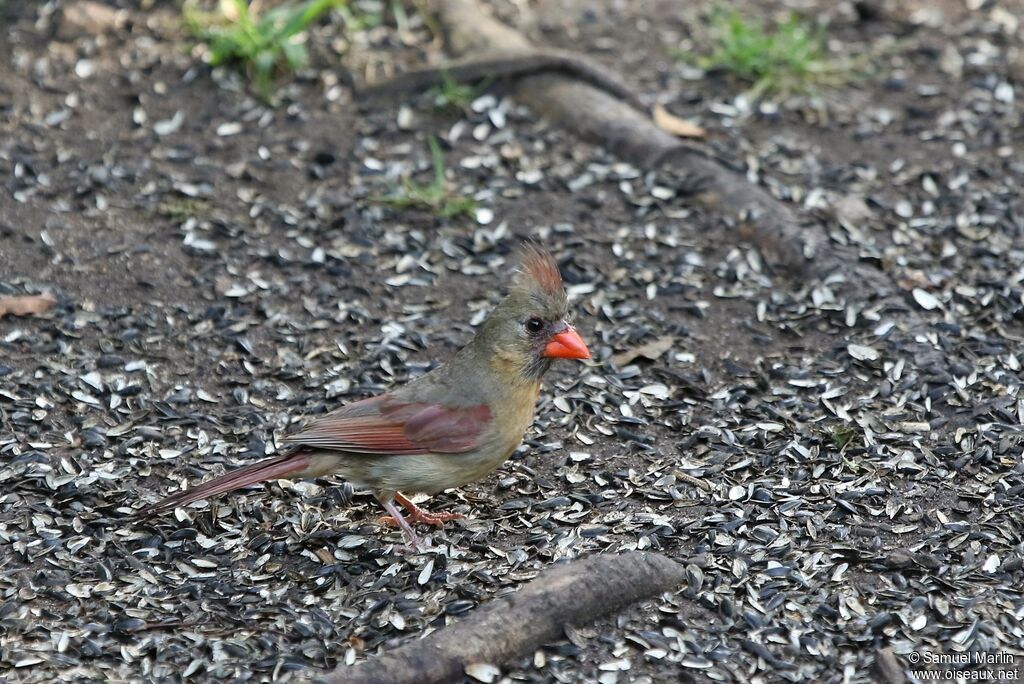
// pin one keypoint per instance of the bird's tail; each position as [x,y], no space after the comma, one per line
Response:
[261,471]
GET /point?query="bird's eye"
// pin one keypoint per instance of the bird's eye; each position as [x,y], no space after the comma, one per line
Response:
[534,325]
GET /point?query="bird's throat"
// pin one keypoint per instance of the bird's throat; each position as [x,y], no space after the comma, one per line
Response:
[512,367]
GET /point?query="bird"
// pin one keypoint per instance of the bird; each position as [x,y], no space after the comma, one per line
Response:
[449,427]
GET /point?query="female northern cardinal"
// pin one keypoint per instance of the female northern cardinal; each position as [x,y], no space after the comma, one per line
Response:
[451,426]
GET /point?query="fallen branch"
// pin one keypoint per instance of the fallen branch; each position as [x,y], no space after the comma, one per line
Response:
[516,64]
[504,66]
[582,96]
[514,625]
[596,112]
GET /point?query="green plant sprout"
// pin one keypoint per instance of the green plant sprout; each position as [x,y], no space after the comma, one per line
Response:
[790,57]
[435,196]
[451,93]
[263,45]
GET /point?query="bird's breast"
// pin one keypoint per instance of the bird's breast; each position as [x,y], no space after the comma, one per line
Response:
[513,415]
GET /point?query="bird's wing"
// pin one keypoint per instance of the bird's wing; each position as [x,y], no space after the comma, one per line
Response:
[386,425]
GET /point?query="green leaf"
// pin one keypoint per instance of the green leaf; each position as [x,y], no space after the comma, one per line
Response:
[261,44]
[437,159]
[303,16]
[263,66]
[295,54]
[787,56]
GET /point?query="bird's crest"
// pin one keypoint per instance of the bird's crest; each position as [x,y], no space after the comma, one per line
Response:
[538,270]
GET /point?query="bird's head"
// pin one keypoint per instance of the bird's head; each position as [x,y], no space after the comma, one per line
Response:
[532,325]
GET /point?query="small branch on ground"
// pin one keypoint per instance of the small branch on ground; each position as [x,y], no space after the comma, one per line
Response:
[515,64]
[591,106]
[595,103]
[505,66]
[514,625]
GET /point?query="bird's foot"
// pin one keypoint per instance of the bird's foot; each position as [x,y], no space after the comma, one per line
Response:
[417,514]
[421,516]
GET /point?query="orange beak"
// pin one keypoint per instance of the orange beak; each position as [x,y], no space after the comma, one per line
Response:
[567,345]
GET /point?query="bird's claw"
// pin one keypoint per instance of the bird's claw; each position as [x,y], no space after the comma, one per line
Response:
[417,514]
[436,519]
[422,516]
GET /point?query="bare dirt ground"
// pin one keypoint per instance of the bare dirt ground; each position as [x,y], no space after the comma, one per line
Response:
[223,269]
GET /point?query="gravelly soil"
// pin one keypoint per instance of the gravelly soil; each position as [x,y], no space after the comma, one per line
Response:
[217,283]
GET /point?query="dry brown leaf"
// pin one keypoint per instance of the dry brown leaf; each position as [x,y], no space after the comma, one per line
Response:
[651,350]
[26,305]
[670,123]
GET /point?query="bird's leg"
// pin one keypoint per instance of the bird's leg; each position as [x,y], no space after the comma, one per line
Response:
[417,514]
[389,505]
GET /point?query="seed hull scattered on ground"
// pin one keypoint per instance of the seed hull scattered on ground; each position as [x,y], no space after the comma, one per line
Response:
[222,271]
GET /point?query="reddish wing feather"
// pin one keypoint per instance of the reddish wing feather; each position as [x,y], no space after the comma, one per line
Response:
[383,425]
[448,431]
